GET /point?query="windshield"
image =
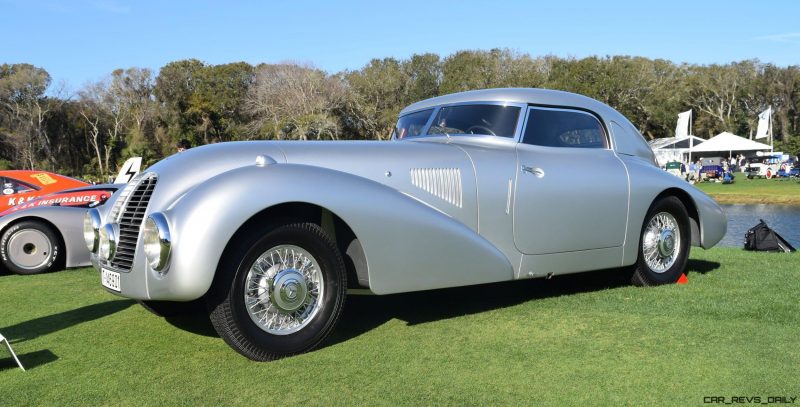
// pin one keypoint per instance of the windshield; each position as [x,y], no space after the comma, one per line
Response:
[492,120]
[412,124]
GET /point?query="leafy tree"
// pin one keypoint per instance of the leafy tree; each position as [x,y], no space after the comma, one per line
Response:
[378,93]
[175,84]
[218,101]
[134,112]
[424,76]
[22,89]
[295,102]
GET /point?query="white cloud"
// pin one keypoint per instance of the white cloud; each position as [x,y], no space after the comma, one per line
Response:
[793,38]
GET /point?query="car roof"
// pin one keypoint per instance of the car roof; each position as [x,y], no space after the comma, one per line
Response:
[22,174]
[514,95]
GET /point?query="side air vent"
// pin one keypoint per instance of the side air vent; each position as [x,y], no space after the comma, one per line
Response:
[444,183]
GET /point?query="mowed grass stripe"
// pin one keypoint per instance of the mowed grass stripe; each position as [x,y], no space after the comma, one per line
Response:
[582,339]
[785,191]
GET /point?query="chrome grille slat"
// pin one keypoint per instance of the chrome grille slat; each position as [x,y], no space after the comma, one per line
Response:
[129,216]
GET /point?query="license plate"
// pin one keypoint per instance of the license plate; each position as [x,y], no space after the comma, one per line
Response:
[110,280]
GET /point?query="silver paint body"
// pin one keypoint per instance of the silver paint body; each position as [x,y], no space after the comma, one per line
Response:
[429,212]
[67,221]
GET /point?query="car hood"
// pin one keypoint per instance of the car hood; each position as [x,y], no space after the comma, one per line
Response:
[386,162]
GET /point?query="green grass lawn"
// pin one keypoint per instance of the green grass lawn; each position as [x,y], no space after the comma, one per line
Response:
[754,191]
[588,339]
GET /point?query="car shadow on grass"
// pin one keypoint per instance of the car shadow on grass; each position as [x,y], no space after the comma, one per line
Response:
[363,313]
[37,327]
[196,323]
[701,266]
[29,360]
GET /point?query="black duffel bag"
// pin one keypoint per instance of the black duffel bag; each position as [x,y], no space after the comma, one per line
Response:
[761,238]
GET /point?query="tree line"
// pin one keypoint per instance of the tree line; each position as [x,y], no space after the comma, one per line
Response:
[138,112]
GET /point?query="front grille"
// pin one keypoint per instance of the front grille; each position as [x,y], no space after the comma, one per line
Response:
[123,197]
[130,219]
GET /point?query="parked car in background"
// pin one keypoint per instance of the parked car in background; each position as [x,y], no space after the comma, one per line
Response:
[765,166]
[45,233]
[674,168]
[475,187]
[20,186]
[712,168]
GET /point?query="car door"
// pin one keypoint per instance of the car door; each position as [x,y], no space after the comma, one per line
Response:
[571,189]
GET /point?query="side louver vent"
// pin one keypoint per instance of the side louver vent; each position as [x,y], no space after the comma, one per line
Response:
[444,183]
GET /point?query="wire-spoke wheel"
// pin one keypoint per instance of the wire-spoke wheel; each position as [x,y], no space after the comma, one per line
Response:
[284,289]
[661,242]
[664,244]
[278,294]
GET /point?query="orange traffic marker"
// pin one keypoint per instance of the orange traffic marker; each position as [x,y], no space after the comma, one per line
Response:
[683,279]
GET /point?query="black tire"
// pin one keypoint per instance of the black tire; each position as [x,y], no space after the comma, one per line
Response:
[31,247]
[173,308]
[643,274]
[226,304]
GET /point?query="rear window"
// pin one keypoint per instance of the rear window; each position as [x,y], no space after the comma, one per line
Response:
[412,124]
[492,120]
[563,128]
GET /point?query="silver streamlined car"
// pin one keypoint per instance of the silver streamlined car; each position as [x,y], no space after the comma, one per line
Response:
[475,187]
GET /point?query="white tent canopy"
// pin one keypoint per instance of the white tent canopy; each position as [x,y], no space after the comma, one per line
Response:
[675,142]
[674,148]
[729,142]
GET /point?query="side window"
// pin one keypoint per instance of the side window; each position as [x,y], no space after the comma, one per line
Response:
[412,124]
[563,128]
[12,186]
[492,120]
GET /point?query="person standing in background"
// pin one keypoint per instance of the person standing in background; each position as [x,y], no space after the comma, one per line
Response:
[183,145]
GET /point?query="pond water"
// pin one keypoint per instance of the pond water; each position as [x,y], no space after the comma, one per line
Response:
[783,219]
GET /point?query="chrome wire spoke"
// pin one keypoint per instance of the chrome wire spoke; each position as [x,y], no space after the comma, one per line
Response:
[283,289]
[661,242]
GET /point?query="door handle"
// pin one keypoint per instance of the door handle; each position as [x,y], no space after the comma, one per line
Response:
[538,172]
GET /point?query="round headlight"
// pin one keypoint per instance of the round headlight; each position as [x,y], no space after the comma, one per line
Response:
[91,229]
[107,243]
[157,241]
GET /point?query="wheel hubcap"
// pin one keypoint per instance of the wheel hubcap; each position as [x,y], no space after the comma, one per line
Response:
[283,289]
[666,243]
[29,249]
[661,242]
[289,290]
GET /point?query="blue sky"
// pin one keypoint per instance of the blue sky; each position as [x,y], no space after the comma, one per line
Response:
[84,40]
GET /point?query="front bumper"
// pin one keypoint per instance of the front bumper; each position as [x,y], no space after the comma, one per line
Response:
[133,284]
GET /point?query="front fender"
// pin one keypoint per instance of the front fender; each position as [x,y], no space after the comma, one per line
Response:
[408,245]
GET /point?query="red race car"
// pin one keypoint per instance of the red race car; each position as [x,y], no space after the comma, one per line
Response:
[21,186]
